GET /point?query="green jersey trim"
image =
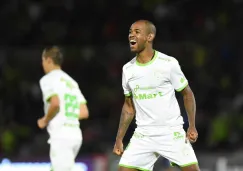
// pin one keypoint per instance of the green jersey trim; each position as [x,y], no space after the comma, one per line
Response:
[189,164]
[150,62]
[84,102]
[129,94]
[50,96]
[184,165]
[133,167]
[182,88]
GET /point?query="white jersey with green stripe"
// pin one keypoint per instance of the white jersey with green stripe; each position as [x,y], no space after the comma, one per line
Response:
[152,86]
[59,83]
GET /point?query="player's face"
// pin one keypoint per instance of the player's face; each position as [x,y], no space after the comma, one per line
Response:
[138,37]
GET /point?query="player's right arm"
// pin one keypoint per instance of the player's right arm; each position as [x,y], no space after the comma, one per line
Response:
[84,111]
[127,115]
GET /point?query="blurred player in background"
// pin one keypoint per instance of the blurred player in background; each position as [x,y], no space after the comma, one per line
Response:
[149,82]
[64,106]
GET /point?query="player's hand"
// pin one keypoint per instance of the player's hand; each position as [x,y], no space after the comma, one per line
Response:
[118,148]
[42,123]
[192,134]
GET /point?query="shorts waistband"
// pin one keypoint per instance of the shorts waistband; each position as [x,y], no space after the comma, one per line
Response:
[157,130]
[159,126]
[71,125]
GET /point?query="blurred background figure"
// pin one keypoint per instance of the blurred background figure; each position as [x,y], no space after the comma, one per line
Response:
[64,106]
[204,36]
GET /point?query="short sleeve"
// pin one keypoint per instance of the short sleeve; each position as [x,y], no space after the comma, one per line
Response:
[47,88]
[177,77]
[126,89]
[81,98]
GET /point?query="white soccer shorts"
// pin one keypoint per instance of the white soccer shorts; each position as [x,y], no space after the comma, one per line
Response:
[143,151]
[63,154]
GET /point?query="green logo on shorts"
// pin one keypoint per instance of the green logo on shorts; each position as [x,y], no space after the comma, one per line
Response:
[182,80]
[177,136]
[138,135]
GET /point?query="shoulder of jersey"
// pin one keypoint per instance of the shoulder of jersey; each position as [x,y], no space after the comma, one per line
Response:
[50,77]
[71,78]
[166,58]
[45,79]
[129,64]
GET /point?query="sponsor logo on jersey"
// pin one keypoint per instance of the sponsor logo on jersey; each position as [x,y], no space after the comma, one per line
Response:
[144,96]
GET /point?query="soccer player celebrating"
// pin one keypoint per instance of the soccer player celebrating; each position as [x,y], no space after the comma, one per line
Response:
[149,82]
[64,106]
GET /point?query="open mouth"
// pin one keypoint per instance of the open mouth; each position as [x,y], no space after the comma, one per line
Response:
[133,42]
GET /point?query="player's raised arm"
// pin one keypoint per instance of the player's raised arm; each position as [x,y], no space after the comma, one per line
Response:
[127,115]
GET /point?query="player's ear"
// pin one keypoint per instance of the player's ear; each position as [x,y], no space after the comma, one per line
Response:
[48,59]
[150,37]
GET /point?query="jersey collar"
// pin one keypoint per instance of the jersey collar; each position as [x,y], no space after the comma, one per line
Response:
[150,62]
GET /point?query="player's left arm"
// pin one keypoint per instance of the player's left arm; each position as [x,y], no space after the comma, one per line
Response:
[50,96]
[180,84]
[190,105]
[53,108]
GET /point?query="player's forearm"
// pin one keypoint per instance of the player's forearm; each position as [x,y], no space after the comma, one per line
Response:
[190,106]
[125,120]
[84,112]
[51,113]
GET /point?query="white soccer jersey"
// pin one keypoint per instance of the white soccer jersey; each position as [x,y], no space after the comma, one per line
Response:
[57,82]
[152,86]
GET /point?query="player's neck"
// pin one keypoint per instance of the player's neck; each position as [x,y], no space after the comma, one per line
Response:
[55,67]
[145,56]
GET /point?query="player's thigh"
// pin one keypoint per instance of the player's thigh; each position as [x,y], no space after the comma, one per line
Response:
[61,155]
[193,167]
[126,169]
[139,154]
[76,147]
[175,148]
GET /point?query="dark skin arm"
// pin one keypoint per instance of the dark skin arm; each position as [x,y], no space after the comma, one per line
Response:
[190,106]
[127,115]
